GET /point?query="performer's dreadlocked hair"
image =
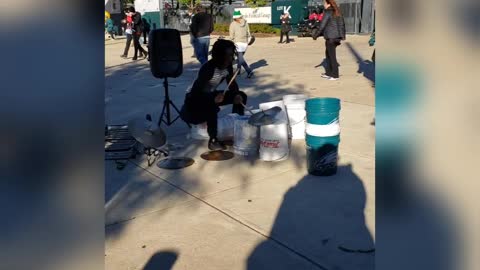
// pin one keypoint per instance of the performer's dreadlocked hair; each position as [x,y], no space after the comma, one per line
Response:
[220,48]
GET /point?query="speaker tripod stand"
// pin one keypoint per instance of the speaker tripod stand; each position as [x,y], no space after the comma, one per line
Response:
[166,107]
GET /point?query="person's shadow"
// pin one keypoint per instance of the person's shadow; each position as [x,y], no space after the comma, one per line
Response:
[320,223]
[365,67]
[258,64]
[163,260]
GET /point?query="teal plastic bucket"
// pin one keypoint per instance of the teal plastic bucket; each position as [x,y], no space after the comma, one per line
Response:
[322,155]
[322,111]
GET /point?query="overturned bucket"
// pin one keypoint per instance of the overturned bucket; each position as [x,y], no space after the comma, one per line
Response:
[246,137]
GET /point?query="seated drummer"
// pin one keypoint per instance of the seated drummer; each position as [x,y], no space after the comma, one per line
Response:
[202,100]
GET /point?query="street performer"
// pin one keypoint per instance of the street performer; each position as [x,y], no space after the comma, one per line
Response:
[202,100]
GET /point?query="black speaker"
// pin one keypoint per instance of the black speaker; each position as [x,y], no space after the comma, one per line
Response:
[165,49]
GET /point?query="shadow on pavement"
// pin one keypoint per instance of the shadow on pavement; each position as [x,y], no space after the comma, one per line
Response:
[366,67]
[321,221]
[163,260]
[258,64]
[415,228]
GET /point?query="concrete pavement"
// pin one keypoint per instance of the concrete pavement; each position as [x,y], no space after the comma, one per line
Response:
[244,214]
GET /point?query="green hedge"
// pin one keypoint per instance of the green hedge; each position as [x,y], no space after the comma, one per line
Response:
[221,28]
[263,28]
[254,28]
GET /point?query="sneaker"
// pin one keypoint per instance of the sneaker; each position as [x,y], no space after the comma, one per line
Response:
[134,58]
[332,79]
[123,56]
[215,144]
[324,75]
[250,75]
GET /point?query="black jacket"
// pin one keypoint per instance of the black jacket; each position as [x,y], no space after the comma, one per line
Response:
[137,23]
[200,98]
[286,27]
[332,27]
[202,25]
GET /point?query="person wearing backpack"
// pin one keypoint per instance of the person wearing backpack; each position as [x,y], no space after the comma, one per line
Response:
[333,29]
[137,33]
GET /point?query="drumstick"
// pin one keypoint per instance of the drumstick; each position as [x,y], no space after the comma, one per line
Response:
[247,108]
[233,78]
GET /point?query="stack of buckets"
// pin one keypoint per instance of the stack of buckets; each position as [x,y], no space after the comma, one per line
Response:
[295,105]
[322,135]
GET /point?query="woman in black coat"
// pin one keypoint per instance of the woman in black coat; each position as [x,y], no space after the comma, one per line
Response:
[333,29]
[286,27]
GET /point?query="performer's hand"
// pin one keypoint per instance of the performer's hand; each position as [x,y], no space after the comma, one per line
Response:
[219,98]
[238,99]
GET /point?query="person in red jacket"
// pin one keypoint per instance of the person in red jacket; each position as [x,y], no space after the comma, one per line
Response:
[313,16]
[128,32]
[137,32]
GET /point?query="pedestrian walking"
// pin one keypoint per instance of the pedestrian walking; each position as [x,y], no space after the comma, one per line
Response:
[128,33]
[191,14]
[333,29]
[137,32]
[286,27]
[109,27]
[146,30]
[201,27]
[371,42]
[240,34]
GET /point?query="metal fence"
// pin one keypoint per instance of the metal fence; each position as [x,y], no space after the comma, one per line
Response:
[358,14]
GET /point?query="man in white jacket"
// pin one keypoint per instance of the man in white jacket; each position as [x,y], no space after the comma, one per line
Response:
[240,34]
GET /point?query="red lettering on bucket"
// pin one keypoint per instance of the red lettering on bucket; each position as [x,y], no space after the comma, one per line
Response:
[270,143]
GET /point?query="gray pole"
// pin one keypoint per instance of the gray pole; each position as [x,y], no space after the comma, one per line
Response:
[160,13]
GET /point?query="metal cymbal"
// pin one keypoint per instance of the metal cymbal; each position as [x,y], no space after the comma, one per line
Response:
[217,155]
[175,163]
[147,133]
[266,117]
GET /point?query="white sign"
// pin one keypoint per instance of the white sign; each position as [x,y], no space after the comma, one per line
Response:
[256,15]
[143,6]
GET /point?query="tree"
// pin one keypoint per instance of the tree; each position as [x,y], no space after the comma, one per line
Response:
[189,3]
[256,3]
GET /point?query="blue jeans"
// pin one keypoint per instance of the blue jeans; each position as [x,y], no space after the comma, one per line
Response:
[201,46]
[242,63]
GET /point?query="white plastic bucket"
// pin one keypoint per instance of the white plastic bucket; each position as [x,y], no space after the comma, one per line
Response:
[274,142]
[246,137]
[225,125]
[295,107]
[288,99]
[199,132]
[281,116]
